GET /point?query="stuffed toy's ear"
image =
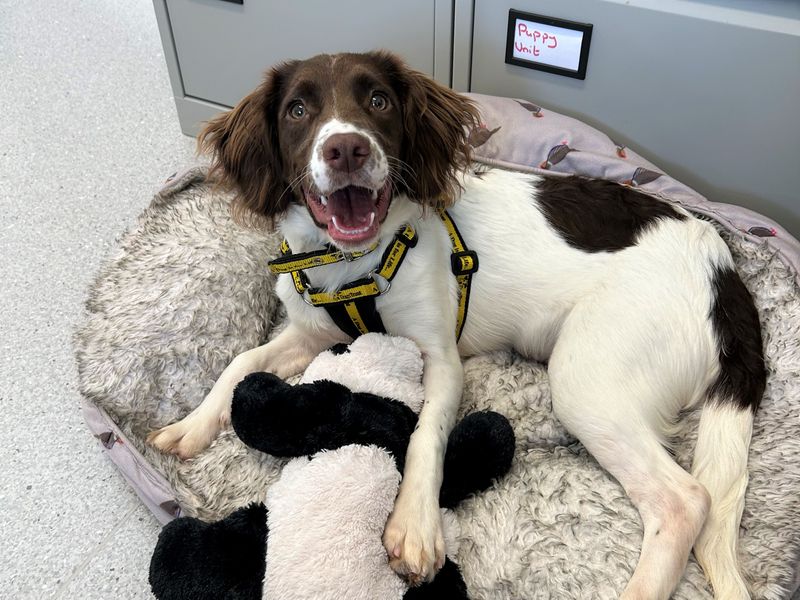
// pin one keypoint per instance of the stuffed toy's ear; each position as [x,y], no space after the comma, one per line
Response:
[480,449]
[225,560]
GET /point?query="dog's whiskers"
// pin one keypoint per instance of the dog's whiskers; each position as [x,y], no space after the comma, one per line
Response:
[398,182]
[400,165]
[295,182]
[396,172]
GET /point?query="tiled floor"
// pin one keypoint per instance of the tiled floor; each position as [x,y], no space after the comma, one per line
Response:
[88,130]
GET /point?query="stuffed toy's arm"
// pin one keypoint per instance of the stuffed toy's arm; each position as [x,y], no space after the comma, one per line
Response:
[284,420]
[480,449]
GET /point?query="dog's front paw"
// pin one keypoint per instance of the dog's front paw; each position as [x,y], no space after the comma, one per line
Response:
[414,541]
[190,436]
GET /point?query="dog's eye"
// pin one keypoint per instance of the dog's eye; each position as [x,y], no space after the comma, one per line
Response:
[297,110]
[379,101]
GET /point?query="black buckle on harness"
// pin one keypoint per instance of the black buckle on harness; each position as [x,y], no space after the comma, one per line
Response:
[464,263]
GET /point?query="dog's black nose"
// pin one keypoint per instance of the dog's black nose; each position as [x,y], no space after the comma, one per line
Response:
[345,152]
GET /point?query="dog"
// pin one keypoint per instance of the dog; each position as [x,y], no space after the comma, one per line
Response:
[634,304]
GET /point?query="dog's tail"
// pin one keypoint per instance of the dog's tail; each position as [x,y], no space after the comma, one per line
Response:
[726,424]
[720,464]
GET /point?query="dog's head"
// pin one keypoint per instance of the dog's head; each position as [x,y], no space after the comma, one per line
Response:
[342,135]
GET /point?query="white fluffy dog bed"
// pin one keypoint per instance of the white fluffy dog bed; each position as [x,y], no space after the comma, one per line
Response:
[187,290]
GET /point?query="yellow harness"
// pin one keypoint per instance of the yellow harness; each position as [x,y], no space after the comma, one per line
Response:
[352,306]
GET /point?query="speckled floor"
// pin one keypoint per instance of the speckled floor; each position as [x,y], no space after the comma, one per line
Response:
[88,130]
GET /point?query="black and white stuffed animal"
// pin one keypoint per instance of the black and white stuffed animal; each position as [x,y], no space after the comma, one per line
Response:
[347,425]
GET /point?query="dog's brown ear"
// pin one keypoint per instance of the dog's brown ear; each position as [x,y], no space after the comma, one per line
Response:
[243,144]
[437,122]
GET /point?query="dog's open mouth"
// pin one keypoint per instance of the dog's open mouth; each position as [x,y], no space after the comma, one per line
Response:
[352,214]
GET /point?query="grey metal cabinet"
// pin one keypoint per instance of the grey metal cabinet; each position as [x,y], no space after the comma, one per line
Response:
[217,50]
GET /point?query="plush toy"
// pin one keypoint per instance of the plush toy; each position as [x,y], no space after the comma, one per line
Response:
[347,424]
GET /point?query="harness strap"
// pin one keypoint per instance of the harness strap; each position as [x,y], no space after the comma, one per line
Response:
[352,307]
[463,263]
[376,283]
[357,317]
[289,262]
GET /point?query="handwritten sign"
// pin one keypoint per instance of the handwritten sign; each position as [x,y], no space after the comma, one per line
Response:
[548,44]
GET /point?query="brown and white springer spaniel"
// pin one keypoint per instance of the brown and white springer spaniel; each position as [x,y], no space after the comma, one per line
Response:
[634,304]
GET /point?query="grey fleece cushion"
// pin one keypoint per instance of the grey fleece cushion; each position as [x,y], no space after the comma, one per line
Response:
[187,290]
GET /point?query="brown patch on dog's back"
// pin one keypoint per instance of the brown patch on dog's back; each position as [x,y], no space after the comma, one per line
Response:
[595,215]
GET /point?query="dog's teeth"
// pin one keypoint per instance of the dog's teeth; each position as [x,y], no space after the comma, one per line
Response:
[371,219]
[323,200]
[374,194]
[352,231]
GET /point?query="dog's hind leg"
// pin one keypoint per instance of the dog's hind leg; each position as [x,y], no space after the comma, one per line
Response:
[672,504]
[611,394]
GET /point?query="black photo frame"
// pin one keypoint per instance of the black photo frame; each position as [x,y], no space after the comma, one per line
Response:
[584,28]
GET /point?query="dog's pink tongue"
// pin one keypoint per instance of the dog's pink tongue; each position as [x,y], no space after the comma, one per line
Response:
[351,206]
